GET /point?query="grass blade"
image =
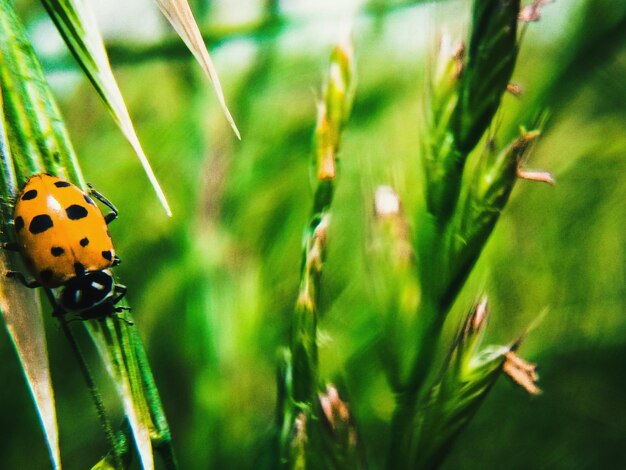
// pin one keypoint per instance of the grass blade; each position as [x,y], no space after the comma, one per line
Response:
[22,315]
[34,127]
[179,14]
[20,306]
[77,24]
[116,351]
[37,135]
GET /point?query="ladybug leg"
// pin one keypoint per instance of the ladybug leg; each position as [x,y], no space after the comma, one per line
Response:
[71,320]
[10,246]
[125,320]
[18,276]
[111,216]
[58,312]
[120,317]
[116,261]
[120,290]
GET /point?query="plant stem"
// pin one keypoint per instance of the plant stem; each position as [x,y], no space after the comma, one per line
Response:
[427,339]
[401,431]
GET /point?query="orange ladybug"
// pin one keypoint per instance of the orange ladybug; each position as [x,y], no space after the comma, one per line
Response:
[60,231]
[64,241]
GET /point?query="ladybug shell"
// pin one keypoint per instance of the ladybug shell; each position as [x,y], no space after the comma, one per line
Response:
[60,230]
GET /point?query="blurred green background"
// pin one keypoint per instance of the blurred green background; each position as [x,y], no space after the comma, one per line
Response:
[212,288]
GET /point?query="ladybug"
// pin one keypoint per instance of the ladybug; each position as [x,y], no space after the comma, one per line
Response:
[65,243]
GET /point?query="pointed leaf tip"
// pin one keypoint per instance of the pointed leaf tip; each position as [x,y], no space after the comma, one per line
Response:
[180,16]
[78,27]
[134,141]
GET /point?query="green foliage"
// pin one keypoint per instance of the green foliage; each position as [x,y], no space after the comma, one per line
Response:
[33,124]
[306,441]
[466,95]
[80,32]
[213,289]
[38,143]
[491,57]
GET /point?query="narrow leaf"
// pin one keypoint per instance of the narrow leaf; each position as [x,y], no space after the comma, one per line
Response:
[20,306]
[77,24]
[179,14]
[22,315]
[118,357]
[37,136]
[34,127]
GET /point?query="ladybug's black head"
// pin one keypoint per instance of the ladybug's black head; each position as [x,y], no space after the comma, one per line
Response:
[90,295]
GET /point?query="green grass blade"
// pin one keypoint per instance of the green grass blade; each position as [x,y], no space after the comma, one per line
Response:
[20,306]
[78,27]
[112,341]
[35,130]
[8,184]
[179,14]
[161,437]
[39,142]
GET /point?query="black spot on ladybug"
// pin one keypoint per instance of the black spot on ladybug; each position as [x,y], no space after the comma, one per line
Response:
[107,255]
[46,275]
[88,200]
[57,251]
[79,269]
[40,223]
[28,195]
[61,184]
[84,241]
[19,223]
[76,212]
